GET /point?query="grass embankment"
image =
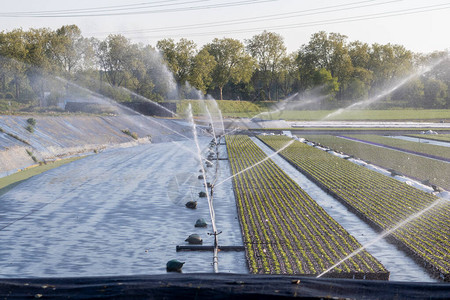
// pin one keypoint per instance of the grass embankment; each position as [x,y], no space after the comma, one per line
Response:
[275,111]
[356,115]
[380,200]
[10,181]
[228,108]
[436,172]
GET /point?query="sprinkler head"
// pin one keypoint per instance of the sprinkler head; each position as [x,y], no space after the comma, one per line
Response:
[194,239]
[191,204]
[201,223]
[174,265]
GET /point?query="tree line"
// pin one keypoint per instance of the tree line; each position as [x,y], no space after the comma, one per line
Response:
[259,69]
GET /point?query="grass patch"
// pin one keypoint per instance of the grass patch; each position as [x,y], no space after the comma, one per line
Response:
[129,133]
[227,107]
[9,182]
[350,115]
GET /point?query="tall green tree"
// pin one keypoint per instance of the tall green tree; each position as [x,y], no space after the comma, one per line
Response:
[435,93]
[38,61]
[179,57]
[13,54]
[412,92]
[288,77]
[115,58]
[268,50]
[388,63]
[328,84]
[200,75]
[70,50]
[232,63]
[142,82]
[325,51]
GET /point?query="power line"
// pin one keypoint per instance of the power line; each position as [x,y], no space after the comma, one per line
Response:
[316,23]
[124,11]
[102,9]
[136,5]
[308,12]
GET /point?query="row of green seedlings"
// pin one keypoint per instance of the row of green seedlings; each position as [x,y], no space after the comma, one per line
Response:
[380,200]
[194,239]
[406,145]
[275,194]
[430,171]
[395,192]
[396,211]
[325,242]
[284,230]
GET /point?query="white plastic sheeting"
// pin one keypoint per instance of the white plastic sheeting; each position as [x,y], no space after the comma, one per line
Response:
[111,214]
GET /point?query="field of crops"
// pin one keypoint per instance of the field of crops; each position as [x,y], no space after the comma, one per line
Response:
[380,200]
[414,147]
[436,172]
[284,230]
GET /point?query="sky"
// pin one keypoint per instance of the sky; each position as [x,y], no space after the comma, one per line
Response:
[420,26]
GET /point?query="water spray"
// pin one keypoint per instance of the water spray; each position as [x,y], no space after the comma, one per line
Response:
[260,162]
[150,101]
[211,209]
[216,106]
[386,233]
[191,151]
[114,103]
[212,124]
[402,82]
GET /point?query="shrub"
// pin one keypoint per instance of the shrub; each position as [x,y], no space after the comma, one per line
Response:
[9,96]
[132,134]
[32,156]
[30,128]
[31,121]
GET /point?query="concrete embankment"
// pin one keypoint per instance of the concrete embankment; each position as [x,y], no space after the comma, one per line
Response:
[23,144]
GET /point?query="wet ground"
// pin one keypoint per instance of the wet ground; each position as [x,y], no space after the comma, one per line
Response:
[115,213]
